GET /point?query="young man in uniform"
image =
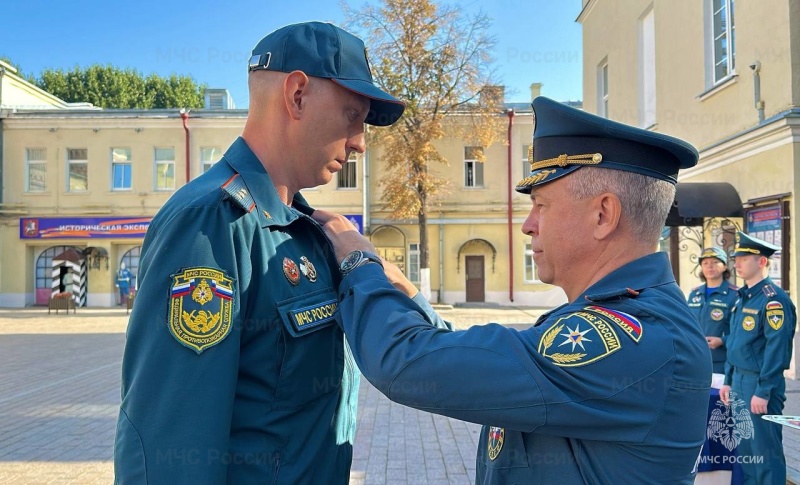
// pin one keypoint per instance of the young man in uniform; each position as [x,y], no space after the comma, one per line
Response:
[759,350]
[234,369]
[711,304]
[611,387]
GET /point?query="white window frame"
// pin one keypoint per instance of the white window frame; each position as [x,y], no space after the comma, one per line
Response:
[602,88]
[477,170]
[413,267]
[347,178]
[527,263]
[38,163]
[75,162]
[647,69]
[712,34]
[526,165]
[209,156]
[121,163]
[166,164]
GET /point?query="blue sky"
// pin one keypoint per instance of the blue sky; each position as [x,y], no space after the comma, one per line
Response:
[537,40]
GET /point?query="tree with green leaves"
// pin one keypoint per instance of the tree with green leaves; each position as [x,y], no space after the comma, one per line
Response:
[437,59]
[113,87]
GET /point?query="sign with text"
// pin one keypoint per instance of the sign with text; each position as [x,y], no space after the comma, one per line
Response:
[83,227]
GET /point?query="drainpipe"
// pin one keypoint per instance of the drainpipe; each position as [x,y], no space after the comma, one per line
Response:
[366,229]
[185,117]
[756,67]
[510,114]
[441,259]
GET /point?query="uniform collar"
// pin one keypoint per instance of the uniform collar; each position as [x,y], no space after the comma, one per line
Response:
[627,281]
[270,208]
[751,290]
[723,288]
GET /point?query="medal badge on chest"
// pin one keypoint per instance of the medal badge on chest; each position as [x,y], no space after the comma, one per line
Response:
[308,269]
[291,271]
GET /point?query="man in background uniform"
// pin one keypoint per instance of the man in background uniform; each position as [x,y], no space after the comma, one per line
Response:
[759,350]
[234,369]
[611,387]
[123,283]
[712,301]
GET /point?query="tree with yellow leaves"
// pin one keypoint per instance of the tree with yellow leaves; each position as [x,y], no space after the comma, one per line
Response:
[437,60]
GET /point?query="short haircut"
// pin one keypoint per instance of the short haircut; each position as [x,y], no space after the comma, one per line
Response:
[645,200]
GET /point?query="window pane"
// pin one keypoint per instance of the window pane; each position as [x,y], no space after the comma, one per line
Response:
[165,176]
[78,177]
[478,174]
[473,153]
[78,154]
[120,154]
[122,176]
[37,175]
[36,154]
[348,175]
[165,154]
[210,155]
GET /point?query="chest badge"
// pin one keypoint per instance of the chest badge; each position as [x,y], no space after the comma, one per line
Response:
[308,269]
[200,309]
[495,442]
[717,314]
[291,271]
[749,323]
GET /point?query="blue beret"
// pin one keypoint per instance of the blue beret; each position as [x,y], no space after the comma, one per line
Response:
[566,139]
[324,50]
[747,245]
[714,253]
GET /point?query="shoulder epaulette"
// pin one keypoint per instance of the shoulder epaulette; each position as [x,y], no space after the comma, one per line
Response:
[733,287]
[769,291]
[613,295]
[238,193]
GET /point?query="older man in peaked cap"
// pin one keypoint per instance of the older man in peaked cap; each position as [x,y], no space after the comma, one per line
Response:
[759,350]
[611,387]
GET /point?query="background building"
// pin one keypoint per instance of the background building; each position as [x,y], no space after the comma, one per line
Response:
[77,177]
[725,76]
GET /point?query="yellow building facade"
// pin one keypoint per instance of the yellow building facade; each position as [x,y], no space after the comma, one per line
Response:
[77,177]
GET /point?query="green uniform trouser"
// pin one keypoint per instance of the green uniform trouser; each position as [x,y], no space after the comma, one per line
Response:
[761,455]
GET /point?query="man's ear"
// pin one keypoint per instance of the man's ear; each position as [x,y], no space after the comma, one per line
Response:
[295,91]
[608,211]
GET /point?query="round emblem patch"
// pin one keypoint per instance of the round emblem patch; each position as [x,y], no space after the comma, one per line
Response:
[749,323]
[495,442]
[291,271]
[717,314]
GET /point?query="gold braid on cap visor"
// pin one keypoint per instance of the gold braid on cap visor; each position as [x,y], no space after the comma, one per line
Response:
[559,161]
[746,250]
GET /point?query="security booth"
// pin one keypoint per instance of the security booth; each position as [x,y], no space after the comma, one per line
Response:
[68,287]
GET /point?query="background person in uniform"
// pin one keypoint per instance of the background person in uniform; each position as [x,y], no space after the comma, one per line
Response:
[123,283]
[759,349]
[234,369]
[611,387]
[711,304]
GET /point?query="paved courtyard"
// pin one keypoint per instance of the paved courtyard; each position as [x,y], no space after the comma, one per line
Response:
[59,395]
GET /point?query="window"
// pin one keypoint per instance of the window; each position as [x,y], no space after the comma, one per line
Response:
[348,176]
[208,156]
[526,164]
[77,168]
[165,168]
[647,74]
[36,163]
[413,263]
[131,260]
[602,89]
[120,169]
[723,39]
[473,167]
[530,275]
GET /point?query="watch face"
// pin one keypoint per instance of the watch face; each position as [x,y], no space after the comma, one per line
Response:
[350,261]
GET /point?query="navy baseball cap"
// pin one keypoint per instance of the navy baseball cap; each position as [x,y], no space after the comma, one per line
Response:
[566,139]
[746,245]
[326,51]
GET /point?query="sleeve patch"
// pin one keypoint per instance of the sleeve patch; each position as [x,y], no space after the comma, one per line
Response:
[628,323]
[775,314]
[579,339]
[200,307]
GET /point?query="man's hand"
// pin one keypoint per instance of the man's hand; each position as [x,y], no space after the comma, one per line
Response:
[342,233]
[758,405]
[398,279]
[713,342]
[725,395]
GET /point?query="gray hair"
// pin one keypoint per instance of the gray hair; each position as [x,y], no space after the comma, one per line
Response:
[645,200]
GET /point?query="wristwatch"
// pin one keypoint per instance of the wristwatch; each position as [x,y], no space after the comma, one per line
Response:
[358,258]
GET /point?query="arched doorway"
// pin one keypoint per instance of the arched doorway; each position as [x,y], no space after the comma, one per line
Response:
[475,265]
[131,260]
[390,242]
[43,273]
